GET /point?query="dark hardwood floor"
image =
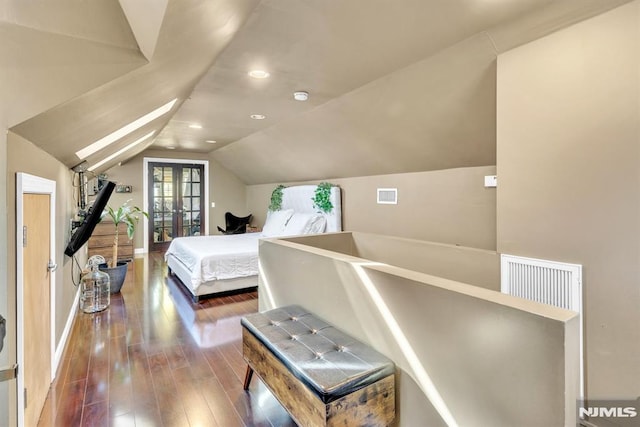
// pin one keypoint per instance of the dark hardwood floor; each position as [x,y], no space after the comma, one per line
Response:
[156,359]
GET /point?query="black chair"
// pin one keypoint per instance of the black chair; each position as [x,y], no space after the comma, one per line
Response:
[235,224]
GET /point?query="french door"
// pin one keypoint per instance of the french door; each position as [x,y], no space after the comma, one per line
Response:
[176,202]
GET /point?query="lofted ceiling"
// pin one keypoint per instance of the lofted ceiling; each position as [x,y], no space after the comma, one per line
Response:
[394,86]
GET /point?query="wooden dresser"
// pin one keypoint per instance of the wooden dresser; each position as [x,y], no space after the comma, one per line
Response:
[101,241]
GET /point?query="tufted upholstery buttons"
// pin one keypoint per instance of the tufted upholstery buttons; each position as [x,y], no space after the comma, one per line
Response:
[329,361]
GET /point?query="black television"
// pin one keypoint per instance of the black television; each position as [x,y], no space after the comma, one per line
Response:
[94,214]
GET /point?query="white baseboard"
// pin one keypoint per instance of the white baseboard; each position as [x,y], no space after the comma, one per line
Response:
[65,333]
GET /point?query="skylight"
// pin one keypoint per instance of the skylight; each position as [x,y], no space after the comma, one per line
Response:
[120,151]
[126,130]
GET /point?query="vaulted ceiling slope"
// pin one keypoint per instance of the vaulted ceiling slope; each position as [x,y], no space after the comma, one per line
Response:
[192,34]
[395,86]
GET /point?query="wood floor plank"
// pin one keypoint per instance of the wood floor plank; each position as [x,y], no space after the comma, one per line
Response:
[156,359]
[96,415]
[72,401]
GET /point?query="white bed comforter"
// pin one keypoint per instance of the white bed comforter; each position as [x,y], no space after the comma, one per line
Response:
[217,257]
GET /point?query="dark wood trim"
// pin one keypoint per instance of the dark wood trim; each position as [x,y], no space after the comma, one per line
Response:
[177,203]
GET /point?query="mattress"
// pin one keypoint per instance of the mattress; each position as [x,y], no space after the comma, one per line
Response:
[217,257]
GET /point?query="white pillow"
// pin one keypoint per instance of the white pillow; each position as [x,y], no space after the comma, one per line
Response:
[276,222]
[316,225]
[304,223]
[297,223]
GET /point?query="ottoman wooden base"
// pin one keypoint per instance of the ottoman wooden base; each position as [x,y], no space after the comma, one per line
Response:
[372,405]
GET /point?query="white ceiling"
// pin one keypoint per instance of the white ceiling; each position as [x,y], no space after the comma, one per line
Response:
[395,86]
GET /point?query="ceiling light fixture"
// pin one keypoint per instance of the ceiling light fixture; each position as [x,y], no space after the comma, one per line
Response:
[259,74]
[171,147]
[258,116]
[195,126]
[120,151]
[301,95]
[210,141]
[125,130]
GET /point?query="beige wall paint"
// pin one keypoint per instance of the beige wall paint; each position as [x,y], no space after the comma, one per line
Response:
[448,206]
[225,189]
[493,359]
[7,291]
[569,168]
[23,156]
[228,192]
[467,265]
[476,267]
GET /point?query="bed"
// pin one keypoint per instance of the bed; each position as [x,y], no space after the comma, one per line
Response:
[217,264]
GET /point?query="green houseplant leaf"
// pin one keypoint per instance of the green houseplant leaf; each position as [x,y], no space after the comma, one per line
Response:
[125,214]
[276,199]
[322,197]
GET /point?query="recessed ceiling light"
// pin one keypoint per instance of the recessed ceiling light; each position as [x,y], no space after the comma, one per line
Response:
[259,74]
[125,130]
[195,126]
[258,116]
[301,95]
[171,147]
[210,141]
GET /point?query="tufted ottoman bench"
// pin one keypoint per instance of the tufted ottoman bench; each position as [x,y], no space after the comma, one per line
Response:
[322,376]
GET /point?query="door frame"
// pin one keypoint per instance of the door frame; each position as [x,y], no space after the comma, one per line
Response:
[145,196]
[26,183]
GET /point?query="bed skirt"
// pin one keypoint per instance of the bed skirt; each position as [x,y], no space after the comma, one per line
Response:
[210,288]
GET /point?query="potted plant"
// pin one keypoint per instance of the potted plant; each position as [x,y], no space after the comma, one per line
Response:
[130,216]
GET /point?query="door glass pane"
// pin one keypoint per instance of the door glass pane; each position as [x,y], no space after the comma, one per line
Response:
[177,191]
[195,221]
[162,234]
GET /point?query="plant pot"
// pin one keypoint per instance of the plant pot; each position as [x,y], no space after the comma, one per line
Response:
[116,274]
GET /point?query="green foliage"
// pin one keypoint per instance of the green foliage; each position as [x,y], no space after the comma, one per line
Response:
[129,215]
[276,199]
[125,214]
[322,197]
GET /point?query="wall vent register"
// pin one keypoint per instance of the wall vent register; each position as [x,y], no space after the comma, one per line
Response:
[387,196]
